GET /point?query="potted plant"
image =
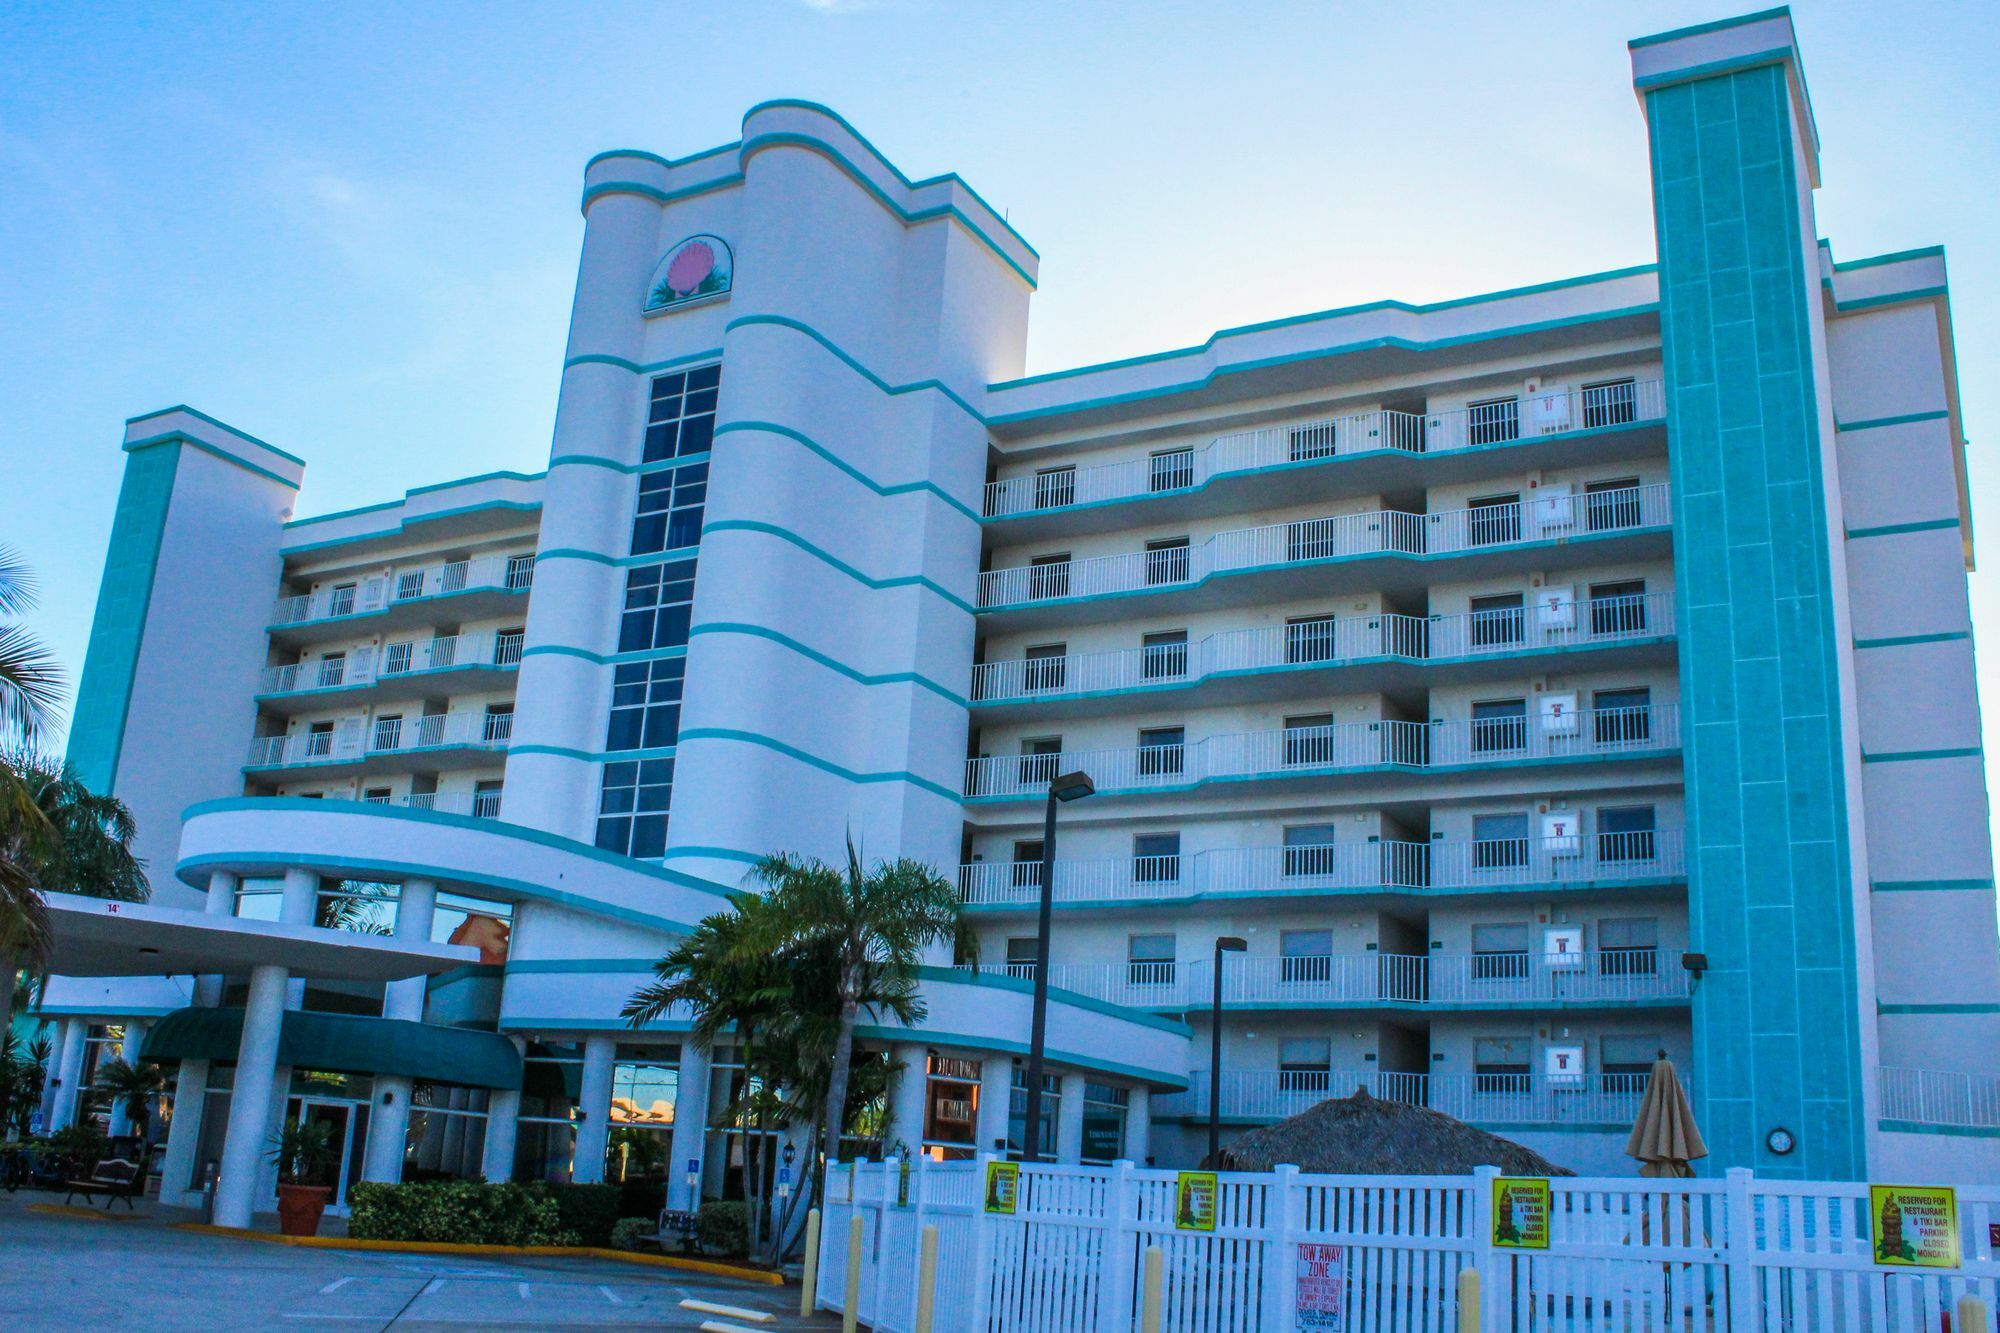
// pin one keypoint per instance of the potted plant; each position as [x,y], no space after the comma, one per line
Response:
[303,1150]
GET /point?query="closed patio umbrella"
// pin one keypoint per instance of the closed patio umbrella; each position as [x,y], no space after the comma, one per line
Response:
[1664,1138]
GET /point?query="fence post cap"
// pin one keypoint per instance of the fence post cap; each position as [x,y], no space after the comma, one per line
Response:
[1486,1172]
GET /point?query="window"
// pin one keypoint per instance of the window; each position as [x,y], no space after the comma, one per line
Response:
[1498,621]
[376,795]
[1046,666]
[499,723]
[1313,538]
[1309,639]
[319,740]
[1618,608]
[681,419]
[1166,561]
[486,799]
[1055,487]
[1048,576]
[1495,518]
[1493,421]
[1028,863]
[1500,1064]
[1103,1122]
[1609,505]
[409,583]
[658,601]
[1309,849]
[1163,656]
[1499,952]
[1499,725]
[1309,740]
[520,572]
[1625,1064]
[646,704]
[1499,841]
[341,601]
[388,733]
[632,807]
[1625,833]
[1017,1111]
[1628,946]
[507,646]
[1150,960]
[332,670]
[483,923]
[1039,758]
[259,899]
[1162,751]
[1156,858]
[1021,955]
[951,1106]
[1305,1064]
[1172,470]
[668,517]
[1307,955]
[1609,403]
[358,906]
[1623,717]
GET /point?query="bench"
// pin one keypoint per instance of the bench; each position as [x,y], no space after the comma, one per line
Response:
[681,1223]
[113,1178]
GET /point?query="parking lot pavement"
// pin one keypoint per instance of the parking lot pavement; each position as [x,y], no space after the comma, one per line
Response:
[70,1273]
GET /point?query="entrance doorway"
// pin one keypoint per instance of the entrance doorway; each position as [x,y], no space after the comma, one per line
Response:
[347,1132]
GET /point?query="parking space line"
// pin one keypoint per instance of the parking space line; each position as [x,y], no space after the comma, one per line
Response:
[611,1295]
[334,1285]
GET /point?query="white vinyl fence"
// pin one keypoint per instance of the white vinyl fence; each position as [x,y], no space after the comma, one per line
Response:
[1290,1251]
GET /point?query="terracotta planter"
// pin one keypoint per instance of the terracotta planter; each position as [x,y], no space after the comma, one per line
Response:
[299,1208]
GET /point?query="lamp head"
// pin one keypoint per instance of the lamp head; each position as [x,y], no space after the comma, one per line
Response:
[1072,786]
[1231,944]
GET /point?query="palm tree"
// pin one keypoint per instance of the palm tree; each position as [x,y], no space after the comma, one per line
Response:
[30,685]
[136,1084]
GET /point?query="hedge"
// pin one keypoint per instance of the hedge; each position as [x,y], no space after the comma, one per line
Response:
[589,1211]
[460,1212]
[724,1226]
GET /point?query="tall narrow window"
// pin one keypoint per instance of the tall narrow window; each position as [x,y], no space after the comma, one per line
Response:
[1610,505]
[1499,726]
[1498,622]
[1150,960]
[1167,561]
[668,517]
[1623,717]
[1625,833]
[1307,955]
[1609,403]
[1161,751]
[681,418]
[1494,519]
[1039,757]
[1046,663]
[1309,639]
[1628,946]
[1305,1064]
[1499,952]
[1172,470]
[646,704]
[1048,576]
[632,807]
[1163,656]
[1618,608]
[1499,842]
[658,603]
[1493,421]
[1055,487]
[1309,849]
[1309,740]
[1156,858]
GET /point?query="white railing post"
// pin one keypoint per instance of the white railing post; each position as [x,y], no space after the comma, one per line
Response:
[1740,1254]
[1495,1274]
[1119,1254]
[983,1224]
[1281,1267]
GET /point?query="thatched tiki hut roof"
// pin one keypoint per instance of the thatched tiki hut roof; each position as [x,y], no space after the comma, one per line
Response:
[1366,1136]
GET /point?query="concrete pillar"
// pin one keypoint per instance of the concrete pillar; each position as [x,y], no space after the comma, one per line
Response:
[59,1095]
[593,1128]
[906,1098]
[300,900]
[416,909]
[388,1129]
[1138,1125]
[503,1123]
[221,900]
[996,1092]
[690,1126]
[1069,1120]
[244,1147]
[177,1168]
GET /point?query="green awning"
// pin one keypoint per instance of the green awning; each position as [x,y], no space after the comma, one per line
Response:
[346,1044]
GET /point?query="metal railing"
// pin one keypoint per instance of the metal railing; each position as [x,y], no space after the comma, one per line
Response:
[365,666]
[1618,403]
[1332,641]
[1507,1098]
[1352,746]
[356,738]
[1548,513]
[478,804]
[1940,1097]
[1412,867]
[503,573]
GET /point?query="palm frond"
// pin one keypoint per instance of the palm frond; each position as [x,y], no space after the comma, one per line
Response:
[20,591]
[31,690]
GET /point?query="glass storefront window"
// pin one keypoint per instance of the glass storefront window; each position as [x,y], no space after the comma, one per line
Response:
[1103,1122]
[551,1082]
[447,1135]
[951,1108]
[484,923]
[1017,1112]
[644,1097]
[361,906]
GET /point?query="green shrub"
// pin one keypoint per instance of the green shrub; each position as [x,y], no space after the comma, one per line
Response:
[633,1233]
[724,1226]
[84,1146]
[460,1212]
[588,1210]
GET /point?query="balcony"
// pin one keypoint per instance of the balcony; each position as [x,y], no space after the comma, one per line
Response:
[1555,528]
[1249,664]
[484,585]
[1355,438]
[1348,868]
[436,742]
[1940,1097]
[477,804]
[1609,1100]
[1378,980]
[410,669]
[1345,749]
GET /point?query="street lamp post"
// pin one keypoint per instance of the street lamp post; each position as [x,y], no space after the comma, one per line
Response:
[1226,944]
[1066,787]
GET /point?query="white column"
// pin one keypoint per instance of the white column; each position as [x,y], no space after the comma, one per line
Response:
[250,1100]
[593,1131]
[221,900]
[906,1099]
[59,1097]
[177,1168]
[389,1117]
[300,899]
[996,1092]
[1069,1120]
[416,908]
[388,1129]
[1138,1126]
[503,1123]
[690,1126]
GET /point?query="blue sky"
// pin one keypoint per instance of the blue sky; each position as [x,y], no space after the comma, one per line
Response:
[352,229]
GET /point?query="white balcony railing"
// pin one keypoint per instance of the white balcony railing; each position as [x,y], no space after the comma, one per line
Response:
[1620,403]
[1411,867]
[1495,980]
[355,738]
[478,804]
[1941,1097]
[500,573]
[1550,513]
[1556,732]
[1562,621]
[365,666]
[1498,1098]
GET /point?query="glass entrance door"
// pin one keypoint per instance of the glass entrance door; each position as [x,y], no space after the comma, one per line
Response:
[340,1118]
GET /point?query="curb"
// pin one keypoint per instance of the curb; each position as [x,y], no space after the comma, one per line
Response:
[73,1210]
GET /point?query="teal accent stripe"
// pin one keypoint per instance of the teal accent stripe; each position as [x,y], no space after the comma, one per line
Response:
[834,561]
[1961,1131]
[903,488]
[668,162]
[648,368]
[1898,529]
[1909,640]
[1917,1009]
[617,561]
[1718,25]
[490,506]
[1905,756]
[712,854]
[1932,886]
[655,193]
[920,386]
[894,678]
[793,752]
[223,425]
[177,437]
[1894,257]
[602,659]
[628,469]
[118,629]
[1024,986]
[1876,423]
[515,965]
[594,756]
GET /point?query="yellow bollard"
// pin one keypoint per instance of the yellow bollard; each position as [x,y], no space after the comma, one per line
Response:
[809,1278]
[850,1305]
[1153,1297]
[926,1279]
[1468,1300]
[1973,1314]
